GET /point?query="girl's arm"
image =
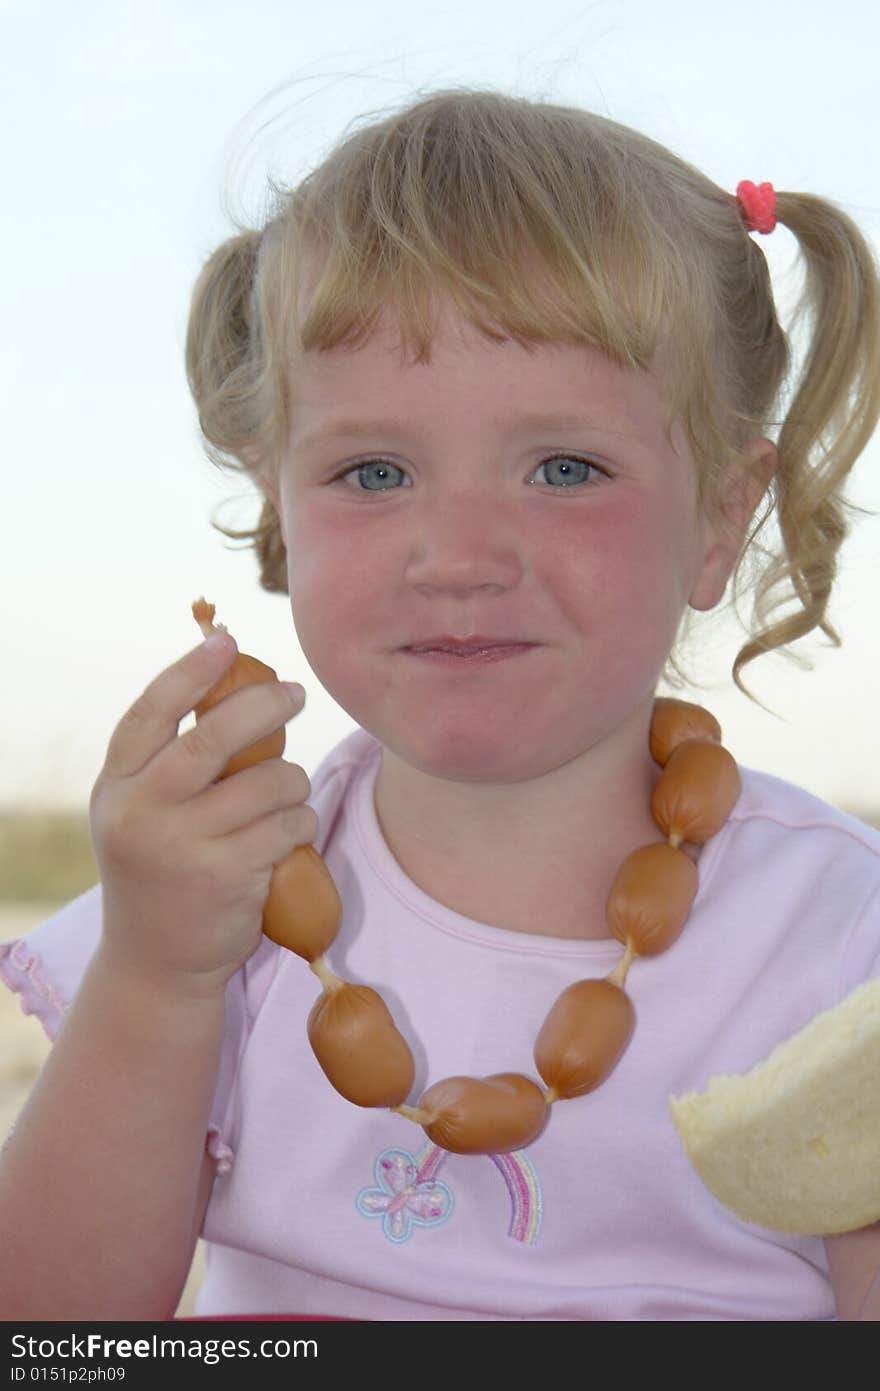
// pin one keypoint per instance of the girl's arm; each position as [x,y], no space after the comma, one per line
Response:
[104,1180]
[854,1268]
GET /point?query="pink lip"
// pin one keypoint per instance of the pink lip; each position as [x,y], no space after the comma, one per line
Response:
[469,656]
[477,643]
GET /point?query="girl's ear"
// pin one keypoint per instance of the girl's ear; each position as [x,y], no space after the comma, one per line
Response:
[746,484]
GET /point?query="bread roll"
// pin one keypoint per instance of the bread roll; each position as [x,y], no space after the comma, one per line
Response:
[794,1144]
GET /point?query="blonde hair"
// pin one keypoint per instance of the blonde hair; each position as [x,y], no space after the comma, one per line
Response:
[549,223]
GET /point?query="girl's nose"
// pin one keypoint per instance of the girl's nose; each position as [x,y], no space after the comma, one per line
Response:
[463,542]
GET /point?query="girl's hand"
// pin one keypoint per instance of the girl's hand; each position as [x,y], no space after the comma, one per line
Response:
[186,861]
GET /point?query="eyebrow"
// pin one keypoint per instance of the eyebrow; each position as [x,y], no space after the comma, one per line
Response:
[353,428]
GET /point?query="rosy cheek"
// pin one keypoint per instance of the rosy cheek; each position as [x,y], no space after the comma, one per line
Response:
[317,545]
[595,545]
[610,552]
[333,573]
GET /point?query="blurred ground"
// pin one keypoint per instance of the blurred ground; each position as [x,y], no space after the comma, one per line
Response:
[24,1048]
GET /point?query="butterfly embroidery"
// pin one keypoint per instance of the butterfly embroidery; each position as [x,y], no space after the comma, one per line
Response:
[404,1197]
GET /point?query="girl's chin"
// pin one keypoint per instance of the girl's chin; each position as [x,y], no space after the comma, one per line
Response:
[471,759]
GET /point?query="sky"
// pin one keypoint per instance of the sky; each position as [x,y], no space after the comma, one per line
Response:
[131,128]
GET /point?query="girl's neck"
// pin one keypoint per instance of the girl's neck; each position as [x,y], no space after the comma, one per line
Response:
[536,856]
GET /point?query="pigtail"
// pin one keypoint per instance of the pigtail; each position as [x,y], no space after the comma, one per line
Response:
[831,417]
[227,373]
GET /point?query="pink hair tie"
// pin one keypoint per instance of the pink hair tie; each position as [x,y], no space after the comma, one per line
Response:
[758,204]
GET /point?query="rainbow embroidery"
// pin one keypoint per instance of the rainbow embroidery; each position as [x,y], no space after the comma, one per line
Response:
[524,1188]
[408,1195]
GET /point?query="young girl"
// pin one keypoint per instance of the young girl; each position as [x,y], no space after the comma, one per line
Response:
[507,374]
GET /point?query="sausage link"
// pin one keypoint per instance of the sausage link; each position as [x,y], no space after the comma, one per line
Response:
[245,671]
[303,909]
[696,792]
[674,721]
[584,1036]
[485,1115]
[651,898]
[359,1048]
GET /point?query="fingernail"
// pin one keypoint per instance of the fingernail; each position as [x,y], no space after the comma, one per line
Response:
[296,690]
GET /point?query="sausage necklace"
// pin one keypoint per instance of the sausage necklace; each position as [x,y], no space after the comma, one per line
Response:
[350,1029]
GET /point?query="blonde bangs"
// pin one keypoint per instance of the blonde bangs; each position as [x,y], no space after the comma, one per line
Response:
[529,223]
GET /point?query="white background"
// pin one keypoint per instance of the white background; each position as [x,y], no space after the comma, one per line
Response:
[124,125]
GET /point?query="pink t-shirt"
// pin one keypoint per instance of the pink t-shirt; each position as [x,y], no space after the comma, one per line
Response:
[323,1207]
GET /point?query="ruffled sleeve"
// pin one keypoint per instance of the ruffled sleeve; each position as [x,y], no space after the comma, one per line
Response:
[46,964]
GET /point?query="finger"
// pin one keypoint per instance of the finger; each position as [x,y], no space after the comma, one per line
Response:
[188,765]
[250,794]
[271,839]
[152,721]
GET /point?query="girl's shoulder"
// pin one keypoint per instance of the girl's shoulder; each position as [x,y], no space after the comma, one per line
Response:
[791,858]
[800,816]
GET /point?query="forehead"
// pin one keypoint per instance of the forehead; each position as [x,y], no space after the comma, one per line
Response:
[467,371]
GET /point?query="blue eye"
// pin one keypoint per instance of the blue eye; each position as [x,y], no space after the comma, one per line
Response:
[382,467]
[575,466]
[572,470]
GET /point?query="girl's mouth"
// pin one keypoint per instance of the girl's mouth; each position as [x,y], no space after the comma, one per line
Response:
[474,656]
